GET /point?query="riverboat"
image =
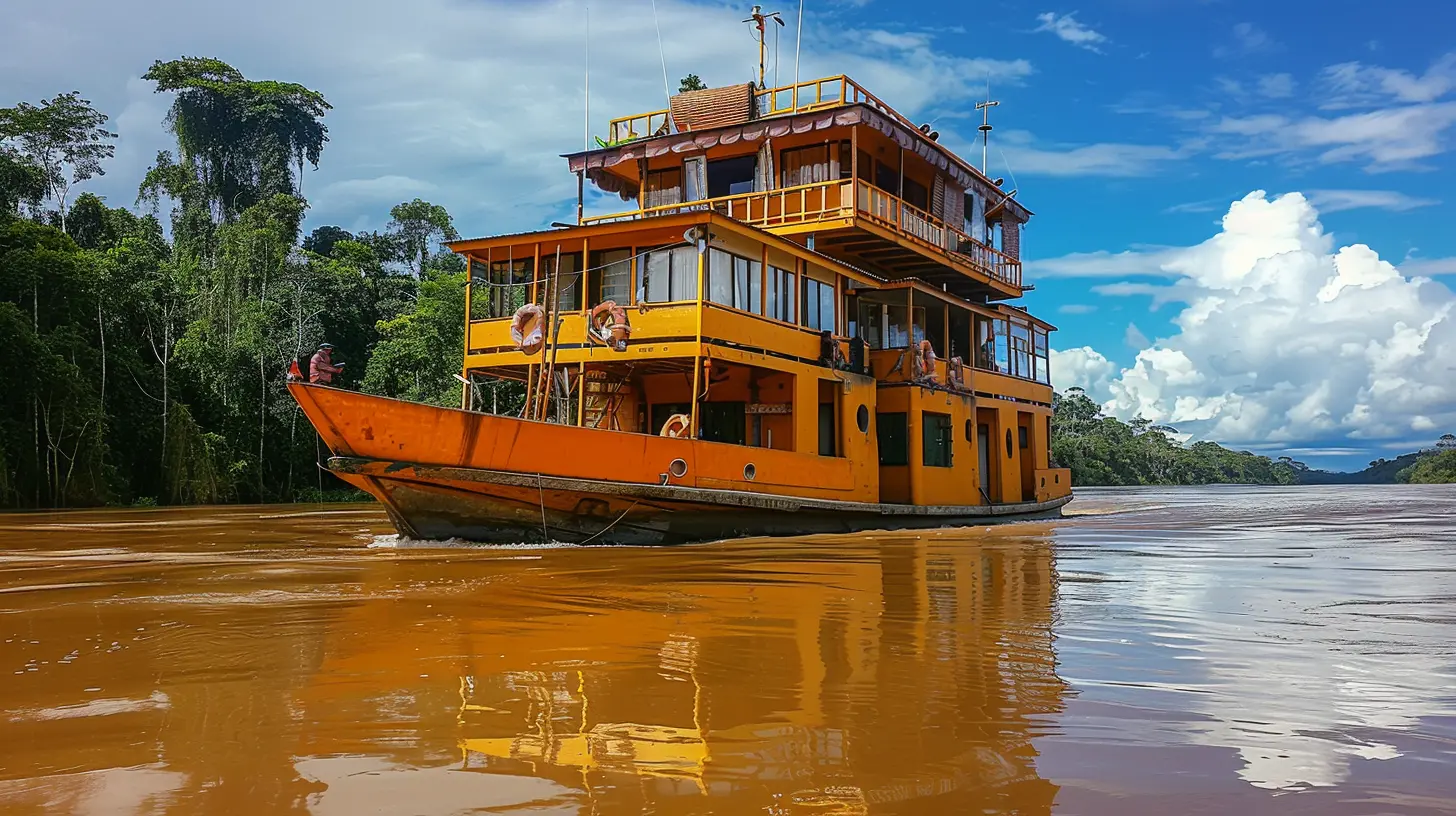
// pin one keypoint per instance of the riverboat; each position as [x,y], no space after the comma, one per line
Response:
[803,321]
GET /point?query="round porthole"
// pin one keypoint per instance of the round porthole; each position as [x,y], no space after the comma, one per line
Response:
[862,419]
[1008,443]
[749,471]
[679,468]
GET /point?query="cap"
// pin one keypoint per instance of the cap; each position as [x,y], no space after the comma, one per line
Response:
[329,346]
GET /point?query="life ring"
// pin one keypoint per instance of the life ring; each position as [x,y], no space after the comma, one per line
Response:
[528,328]
[676,426]
[608,326]
[925,360]
[955,373]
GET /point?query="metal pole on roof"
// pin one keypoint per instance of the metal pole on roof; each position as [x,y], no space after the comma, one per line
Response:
[586,124]
[798,45]
[662,55]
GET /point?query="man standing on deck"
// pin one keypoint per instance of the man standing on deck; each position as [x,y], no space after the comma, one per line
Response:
[321,368]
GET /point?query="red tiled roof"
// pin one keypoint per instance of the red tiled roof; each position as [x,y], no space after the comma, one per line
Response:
[713,107]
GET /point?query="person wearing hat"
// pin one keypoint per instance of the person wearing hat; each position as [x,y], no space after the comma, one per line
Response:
[321,368]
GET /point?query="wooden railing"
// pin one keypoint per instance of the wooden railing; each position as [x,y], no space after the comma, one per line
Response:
[828,200]
[801,97]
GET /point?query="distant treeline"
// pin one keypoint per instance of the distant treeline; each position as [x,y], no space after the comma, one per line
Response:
[1103,450]
[141,369]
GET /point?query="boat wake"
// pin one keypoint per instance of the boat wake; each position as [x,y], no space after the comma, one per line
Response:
[395,541]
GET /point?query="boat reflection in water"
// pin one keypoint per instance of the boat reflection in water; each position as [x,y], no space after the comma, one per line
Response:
[914,670]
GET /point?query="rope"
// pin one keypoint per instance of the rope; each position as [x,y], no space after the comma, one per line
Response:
[577,274]
[613,524]
[541,493]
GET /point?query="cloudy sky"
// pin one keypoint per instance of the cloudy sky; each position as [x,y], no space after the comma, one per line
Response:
[1243,215]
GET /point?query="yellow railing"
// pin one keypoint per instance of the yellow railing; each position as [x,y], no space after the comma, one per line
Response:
[800,97]
[640,126]
[827,200]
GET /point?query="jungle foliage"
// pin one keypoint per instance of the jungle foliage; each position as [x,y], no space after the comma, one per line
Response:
[144,366]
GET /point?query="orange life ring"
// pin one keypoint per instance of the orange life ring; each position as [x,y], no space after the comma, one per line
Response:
[528,328]
[676,426]
[608,326]
[925,360]
[955,373]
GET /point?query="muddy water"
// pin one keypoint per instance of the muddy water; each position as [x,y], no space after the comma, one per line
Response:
[1192,651]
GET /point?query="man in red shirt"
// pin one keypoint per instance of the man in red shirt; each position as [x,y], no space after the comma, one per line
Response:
[321,368]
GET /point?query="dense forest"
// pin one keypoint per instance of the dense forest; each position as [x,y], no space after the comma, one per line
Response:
[147,365]
[1103,450]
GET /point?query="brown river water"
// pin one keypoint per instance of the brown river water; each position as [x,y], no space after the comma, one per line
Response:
[1218,650]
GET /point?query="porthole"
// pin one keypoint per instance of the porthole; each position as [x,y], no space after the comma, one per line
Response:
[1009,454]
[749,471]
[970,432]
[678,468]
[862,419]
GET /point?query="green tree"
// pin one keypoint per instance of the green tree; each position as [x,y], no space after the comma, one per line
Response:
[416,226]
[64,138]
[690,83]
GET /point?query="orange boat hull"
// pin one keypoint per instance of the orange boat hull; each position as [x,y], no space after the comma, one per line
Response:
[446,473]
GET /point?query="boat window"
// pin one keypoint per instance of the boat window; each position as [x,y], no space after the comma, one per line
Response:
[893,434]
[872,323]
[814,163]
[731,176]
[669,275]
[1002,347]
[499,288]
[664,187]
[723,422]
[916,195]
[1020,349]
[935,439]
[779,295]
[611,276]
[1039,355]
[734,281]
[818,304]
[862,419]
[569,281]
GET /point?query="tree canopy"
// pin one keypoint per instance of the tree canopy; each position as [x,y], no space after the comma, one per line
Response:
[62,143]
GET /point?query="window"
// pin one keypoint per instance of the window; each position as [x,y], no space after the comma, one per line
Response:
[670,275]
[935,439]
[1021,350]
[916,195]
[872,323]
[1039,356]
[723,422]
[1002,346]
[735,281]
[731,176]
[569,281]
[664,187]
[611,276]
[893,435]
[818,304]
[779,295]
[499,288]
[814,163]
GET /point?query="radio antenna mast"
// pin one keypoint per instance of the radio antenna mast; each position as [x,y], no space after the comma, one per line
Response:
[985,128]
[757,17]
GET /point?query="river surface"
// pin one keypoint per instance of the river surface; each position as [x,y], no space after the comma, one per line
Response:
[1211,651]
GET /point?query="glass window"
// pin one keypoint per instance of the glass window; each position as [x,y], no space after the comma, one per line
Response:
[664,187]
[893,433]
[985,340]
[935,439]
[779,294]
[1002,348]
[917,326]
[872,323]
[1040,356]
[499,288]
[818,304]
[1021,349]
[897,325]
[612,276]
[814,163]
[735,281]
[670,275]
[569,280]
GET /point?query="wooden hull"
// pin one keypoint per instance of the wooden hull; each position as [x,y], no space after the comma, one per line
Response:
[444,473]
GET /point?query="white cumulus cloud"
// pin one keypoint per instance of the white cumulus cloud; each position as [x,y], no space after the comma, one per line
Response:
[1068,29]
[1285,338]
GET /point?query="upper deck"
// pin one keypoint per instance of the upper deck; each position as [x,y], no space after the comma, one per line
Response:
[827,163]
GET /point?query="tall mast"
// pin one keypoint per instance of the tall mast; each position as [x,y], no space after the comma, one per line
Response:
[758,18]
[985,128]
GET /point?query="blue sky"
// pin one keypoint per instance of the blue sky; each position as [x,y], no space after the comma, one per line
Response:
[1129,126]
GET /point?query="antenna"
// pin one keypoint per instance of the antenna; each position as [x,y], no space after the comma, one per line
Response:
[985,128]
[586,123]
[662,55]
[757,17]
[798,46]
